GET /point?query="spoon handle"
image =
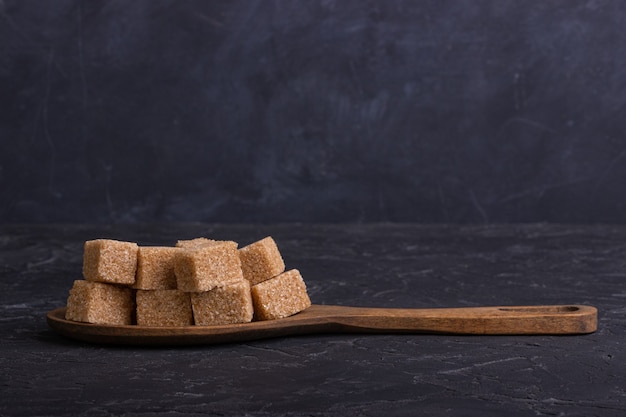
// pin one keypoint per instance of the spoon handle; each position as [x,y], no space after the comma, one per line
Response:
[547,319]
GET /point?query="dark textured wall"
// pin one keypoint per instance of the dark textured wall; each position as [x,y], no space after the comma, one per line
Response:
[264,111]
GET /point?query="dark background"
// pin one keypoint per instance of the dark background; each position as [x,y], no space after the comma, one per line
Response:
[312,111]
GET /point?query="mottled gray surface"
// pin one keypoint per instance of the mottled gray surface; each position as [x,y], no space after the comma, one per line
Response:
[43,373]
[312,111]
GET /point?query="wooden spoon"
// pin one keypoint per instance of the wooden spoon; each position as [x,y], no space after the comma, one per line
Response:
[512,320]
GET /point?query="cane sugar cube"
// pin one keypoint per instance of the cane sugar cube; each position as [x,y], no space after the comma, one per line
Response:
[261,260]
[97,302]
[229,304]
[163,308]
[281,296]
[204,267]
[190,243]
[155,268]
[110,261]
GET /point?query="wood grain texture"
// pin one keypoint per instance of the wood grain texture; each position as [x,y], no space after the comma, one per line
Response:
[527,320]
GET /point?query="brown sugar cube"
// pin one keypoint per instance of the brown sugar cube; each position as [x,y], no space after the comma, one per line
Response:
[155,268]
[163,308]
[229,304]
[261,261]
[281,296]
[96,302]
[199,241]
[205,267]
[110,261]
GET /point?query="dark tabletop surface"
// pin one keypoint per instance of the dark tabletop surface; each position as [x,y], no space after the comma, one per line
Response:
[43,373]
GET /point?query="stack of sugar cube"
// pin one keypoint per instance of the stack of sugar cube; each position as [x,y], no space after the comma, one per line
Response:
[197,282]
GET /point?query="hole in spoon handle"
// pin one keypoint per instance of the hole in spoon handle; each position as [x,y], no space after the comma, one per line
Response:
[541,309]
